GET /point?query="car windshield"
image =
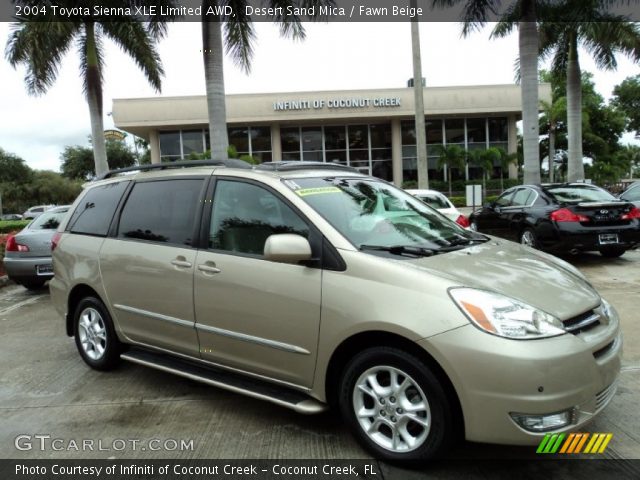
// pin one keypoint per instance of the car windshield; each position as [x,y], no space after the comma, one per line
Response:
[48,221]
[579,193]
[374,215]
[434,200]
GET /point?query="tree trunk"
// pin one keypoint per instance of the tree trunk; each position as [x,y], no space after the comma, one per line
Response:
[418,95]
[552,150]
[575,167]
[528,40]
[94,99]
[449,178]
[213,53]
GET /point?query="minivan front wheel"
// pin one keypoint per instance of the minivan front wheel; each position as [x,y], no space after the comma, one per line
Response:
[94,335]
[396,406]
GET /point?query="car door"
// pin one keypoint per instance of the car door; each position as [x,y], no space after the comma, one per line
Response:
[514,214]
[491,219]
[147,267]
[252,314]
[632,195]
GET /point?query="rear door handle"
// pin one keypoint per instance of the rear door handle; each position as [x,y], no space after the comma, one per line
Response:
[208,268]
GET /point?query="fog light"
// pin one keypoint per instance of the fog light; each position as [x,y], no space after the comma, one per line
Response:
[543,423]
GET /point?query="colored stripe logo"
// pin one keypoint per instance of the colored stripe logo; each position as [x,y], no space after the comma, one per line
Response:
[592,443]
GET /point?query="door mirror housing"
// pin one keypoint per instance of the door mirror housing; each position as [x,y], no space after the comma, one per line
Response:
[287,248]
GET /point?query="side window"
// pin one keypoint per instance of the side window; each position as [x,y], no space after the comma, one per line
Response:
[505,199]
[161,211]
[632,195]
[522,197]
[244,215]
[95,211]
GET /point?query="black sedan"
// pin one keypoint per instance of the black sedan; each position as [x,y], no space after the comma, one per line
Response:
[575,217]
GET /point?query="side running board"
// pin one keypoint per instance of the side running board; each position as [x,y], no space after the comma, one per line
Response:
[262,390]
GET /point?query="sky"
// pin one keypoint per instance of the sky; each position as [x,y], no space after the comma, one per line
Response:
[334,56]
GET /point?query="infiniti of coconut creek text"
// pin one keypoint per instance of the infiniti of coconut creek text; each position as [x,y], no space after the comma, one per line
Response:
[204,471]
[329,12]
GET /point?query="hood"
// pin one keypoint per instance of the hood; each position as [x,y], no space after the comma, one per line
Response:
[511,269]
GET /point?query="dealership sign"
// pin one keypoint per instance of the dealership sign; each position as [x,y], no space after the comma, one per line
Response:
[336,103]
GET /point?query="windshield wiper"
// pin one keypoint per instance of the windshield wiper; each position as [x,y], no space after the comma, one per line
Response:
[461,240]
[401,250]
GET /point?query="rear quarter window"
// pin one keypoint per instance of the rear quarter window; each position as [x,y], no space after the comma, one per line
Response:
[95,211]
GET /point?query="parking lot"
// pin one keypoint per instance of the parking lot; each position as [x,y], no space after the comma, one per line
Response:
[46,389]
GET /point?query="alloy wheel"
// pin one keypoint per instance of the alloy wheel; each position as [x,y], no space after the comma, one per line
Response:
[93,333]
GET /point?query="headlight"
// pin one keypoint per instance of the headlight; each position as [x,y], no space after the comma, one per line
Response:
[504,316]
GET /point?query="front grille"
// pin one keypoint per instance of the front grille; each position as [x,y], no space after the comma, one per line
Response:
[583,322]
[605,396]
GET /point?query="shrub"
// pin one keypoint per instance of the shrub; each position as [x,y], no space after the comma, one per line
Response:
[13,225]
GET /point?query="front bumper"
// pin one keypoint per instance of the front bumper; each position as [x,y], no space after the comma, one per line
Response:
[495,377]
[26,268]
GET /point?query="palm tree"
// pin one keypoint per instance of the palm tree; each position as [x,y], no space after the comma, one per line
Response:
[450,156]
[41,45]
[485,160]
[584,23]
[554,112]
[504,160]
[524,14]
[239,36]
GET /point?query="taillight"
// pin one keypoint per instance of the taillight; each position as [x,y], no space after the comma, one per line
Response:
[566,215]
[463,221]
[13,246]
[631,214]
[55,239]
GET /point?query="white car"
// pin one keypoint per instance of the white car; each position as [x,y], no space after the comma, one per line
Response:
[36,211]
[441,203]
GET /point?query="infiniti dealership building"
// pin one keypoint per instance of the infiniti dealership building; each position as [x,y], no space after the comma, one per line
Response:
[372,130]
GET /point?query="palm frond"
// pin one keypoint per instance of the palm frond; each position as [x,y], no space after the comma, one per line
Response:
[239,35]
[91,52]
[40,47]
[132,37]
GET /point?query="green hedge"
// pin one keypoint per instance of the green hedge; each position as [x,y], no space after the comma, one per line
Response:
[12,225]
[462,201]
[459,186]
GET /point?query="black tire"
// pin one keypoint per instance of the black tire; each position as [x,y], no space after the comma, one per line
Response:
[33,284]
[528,237]
[431,441]
[98,346]
[612,252]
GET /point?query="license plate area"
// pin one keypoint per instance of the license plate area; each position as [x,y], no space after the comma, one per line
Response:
[44,269]
[608,238]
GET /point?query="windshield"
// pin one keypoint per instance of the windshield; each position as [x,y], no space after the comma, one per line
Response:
[580,193]
[434,200]
[48,220]
[372,213]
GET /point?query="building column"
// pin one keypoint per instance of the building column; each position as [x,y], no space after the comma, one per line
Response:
[396,151]
[512,146]
[276,145]
[154,145]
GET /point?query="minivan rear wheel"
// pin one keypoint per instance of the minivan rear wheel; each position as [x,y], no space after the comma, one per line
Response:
[395,406]
[95,336]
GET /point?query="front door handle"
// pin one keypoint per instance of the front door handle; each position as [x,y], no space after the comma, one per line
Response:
[181,262]
[208,268]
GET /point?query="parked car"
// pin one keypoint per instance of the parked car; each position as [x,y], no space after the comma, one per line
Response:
[27,256]
[562,218]
[312,285]
[632,194]
[441,203]
[10,217]
[34,212]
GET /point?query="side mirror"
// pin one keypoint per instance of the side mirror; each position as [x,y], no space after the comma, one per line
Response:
[287,248]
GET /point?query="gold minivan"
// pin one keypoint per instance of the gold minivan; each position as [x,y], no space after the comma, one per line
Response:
[313,286]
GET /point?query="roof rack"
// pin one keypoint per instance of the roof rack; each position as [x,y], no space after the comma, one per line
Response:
[292,165]
[232,163]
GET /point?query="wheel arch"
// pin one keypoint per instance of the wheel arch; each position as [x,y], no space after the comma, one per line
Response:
[361,341]
[76,294]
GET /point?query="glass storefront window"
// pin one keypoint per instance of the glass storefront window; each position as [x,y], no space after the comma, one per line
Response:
[336,156]
[239,138]
[358,137]
[260,139]
[312,139]
[170,144]
[498,129]
[408,130]
[476,130]
[192,142]
[380,136]
[335,138]
[434,131]
[454,130]
[290,140]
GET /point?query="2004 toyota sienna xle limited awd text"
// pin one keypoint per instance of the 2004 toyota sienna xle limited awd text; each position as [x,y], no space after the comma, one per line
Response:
[312,285]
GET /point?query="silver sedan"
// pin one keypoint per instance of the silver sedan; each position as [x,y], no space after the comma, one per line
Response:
[27,257]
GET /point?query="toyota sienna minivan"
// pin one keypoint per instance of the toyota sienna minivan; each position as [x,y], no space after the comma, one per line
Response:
[314,286]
